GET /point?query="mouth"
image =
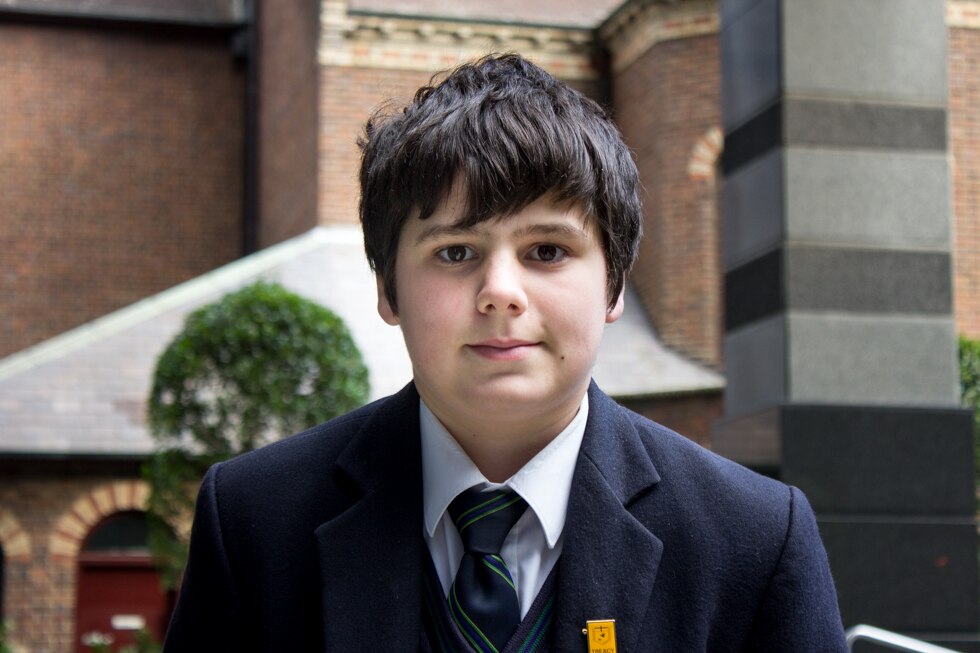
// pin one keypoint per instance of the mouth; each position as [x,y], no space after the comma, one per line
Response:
[503,349]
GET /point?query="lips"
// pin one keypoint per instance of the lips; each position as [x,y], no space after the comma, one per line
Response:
[503,349]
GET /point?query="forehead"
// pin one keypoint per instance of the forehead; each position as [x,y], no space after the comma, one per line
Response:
[545,214]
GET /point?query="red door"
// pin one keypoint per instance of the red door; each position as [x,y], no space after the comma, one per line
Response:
[118,588]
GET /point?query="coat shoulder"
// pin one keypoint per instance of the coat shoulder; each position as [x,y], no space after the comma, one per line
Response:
[304,468]
[714,494]
[314,447]
[740,541]
[682,460]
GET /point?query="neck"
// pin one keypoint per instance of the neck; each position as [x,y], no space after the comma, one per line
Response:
[498,456]
[500,448]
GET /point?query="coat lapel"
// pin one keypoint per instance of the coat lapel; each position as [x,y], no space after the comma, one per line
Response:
[609,561]
[370,554]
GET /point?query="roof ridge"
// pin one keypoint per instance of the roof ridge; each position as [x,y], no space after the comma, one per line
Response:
[220,278]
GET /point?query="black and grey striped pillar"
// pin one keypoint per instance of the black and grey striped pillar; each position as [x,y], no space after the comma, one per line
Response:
[840,345]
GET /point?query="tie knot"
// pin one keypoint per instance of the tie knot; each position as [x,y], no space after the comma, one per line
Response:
[483,519]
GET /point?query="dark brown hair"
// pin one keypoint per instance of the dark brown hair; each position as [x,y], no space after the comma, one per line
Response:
[507,133]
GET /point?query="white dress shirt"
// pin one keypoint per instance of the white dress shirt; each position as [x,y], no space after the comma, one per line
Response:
[534,544]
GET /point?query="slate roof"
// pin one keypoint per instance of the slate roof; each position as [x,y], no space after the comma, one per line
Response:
[84,392]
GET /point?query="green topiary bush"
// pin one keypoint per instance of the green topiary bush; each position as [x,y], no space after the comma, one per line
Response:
[970,387]
[4,631]
[258,364]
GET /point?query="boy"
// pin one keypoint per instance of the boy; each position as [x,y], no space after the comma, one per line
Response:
[500,501]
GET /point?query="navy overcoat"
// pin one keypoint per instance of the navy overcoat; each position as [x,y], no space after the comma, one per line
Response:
[314,543]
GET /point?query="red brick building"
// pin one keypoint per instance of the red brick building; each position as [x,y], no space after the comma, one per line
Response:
[963,46]
[121,163]
[143,144]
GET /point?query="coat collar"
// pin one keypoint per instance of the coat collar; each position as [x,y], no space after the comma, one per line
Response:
[610,559]
[370,555]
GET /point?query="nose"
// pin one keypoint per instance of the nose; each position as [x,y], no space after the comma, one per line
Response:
[502,287]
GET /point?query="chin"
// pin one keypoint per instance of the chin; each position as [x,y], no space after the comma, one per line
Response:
[512,394]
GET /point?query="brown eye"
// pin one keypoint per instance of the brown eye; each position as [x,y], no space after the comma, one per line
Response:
[455,254]
[548,253]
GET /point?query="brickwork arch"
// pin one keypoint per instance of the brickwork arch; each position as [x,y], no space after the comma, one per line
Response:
[14,540]
[697,329]
[88,510]
[703,161]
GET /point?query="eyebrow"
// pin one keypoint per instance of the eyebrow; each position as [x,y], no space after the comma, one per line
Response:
[553,229]
[440,230]
[541,229]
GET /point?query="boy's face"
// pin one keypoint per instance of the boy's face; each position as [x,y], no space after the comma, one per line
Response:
[502,321]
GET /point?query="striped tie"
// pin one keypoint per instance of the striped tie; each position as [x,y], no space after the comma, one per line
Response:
[482,599]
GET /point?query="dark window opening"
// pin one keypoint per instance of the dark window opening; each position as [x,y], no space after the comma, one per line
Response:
[124,532]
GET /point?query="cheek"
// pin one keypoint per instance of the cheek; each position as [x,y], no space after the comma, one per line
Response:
[578,324]
[430,310]
[581,319]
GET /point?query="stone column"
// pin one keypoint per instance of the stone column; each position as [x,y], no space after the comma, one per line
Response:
[840,346]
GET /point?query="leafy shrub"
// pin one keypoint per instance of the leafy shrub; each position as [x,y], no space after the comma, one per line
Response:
[4,632]
[970,387]
[258,364]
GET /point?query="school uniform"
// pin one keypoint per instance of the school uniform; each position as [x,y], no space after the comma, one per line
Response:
[315,543]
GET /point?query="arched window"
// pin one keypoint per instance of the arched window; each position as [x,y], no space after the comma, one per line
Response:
[121,533]
[118,588]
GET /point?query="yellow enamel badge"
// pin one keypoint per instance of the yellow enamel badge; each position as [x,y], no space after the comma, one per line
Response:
[601,634]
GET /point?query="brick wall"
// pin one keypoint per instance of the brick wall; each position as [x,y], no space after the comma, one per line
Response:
[964,142]
[348,96]
[666,101]
[689,415]
[40,588]
[120,169]
[288,91]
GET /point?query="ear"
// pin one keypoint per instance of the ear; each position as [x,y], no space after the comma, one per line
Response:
[614,313]
[385,310]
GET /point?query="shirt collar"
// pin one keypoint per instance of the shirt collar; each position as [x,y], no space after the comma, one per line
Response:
[544,482]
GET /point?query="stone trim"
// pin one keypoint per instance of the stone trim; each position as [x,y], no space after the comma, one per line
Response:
[838,279]
[794,121]
[430,44]
[705,154]
[14,539]
[638,26]
[963,13]
[88,510]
